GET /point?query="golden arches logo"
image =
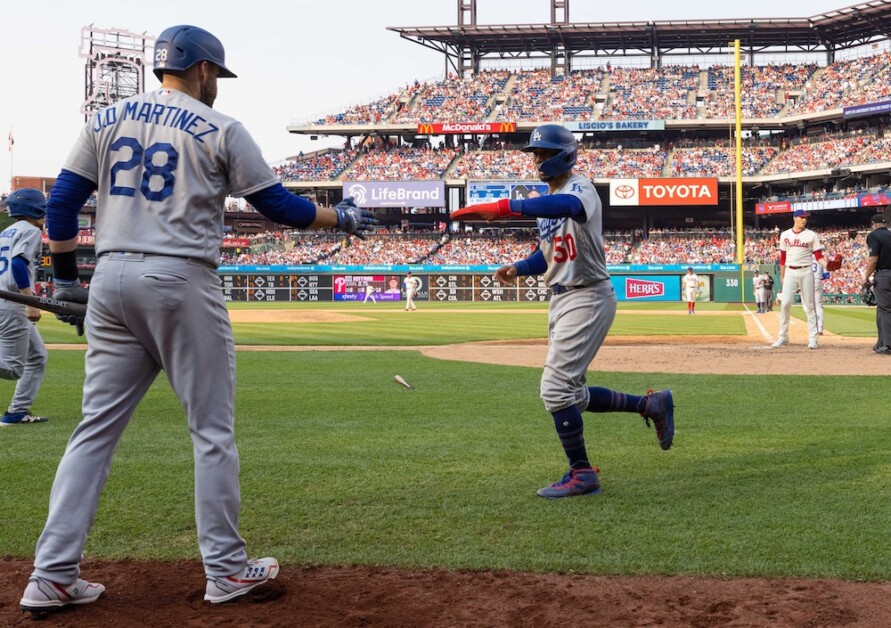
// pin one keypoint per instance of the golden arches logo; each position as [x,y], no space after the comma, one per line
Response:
[507,127]
[425,129]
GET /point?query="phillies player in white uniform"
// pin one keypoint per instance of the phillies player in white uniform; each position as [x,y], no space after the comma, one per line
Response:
[691,287]
[582,308]
[759,292]
[162,164]
[799,246]
[412,285]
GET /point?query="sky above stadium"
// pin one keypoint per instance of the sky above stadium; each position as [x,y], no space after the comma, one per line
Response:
[295,59]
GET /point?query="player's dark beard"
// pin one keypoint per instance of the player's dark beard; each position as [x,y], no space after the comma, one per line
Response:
[208,92]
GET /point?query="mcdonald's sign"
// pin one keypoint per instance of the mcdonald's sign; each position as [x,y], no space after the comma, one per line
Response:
[479,128]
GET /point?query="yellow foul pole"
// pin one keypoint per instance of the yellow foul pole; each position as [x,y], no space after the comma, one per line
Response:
[737,90]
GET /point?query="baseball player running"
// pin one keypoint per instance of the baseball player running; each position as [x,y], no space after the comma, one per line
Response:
[23,355]
[691,287]
[798,247]
[582,308]
[162,163]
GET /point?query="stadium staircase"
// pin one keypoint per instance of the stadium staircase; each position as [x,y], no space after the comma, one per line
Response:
[500,98]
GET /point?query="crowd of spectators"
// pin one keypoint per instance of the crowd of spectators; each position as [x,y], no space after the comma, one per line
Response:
[819,152]
[719,162]
[453,99]
[763,89]
[317,167]
[536,95]
[631,93]
[400,163]
[846,83]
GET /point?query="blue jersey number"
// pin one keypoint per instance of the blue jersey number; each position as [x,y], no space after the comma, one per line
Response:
[150,169]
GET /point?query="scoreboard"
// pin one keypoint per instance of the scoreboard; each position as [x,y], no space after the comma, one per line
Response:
[262,288]
[268,287]
[484,288]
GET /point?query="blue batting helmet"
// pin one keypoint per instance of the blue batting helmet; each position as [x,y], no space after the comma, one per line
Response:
[181,47]
[554,137]
[26,202]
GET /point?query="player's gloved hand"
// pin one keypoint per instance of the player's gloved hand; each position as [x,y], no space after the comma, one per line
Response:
[825,275]
[352,219]
[73,292]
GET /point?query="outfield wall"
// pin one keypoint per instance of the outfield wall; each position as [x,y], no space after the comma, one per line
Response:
[722,283]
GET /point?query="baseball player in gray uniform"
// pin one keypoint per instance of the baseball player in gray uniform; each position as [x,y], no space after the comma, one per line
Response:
[162,164]
[22,352]
[582,307]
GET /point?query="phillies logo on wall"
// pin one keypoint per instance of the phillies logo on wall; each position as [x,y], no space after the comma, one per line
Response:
[667,191]
[641,289]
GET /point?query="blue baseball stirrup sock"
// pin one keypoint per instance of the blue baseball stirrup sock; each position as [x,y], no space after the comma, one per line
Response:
[606,400]
[570,429]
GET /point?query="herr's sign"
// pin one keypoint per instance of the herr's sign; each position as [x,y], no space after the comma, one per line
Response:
[663,191]
[396,193]
[451,128]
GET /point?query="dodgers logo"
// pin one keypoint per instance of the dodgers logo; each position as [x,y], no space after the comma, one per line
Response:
[575,188]
[547,227]
[358,192]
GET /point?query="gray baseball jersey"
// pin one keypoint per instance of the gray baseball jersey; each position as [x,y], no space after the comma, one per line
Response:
[163,163]
[140,148]
[21,238]
[574,250]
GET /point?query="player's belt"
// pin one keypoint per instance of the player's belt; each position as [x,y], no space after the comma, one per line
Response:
[133,256]
[558,289]
[797,267]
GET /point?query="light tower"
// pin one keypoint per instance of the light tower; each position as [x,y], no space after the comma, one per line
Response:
[115,65]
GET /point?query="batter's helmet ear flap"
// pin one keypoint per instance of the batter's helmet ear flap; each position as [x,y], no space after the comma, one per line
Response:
[26,202]
[558,138]
[181,47]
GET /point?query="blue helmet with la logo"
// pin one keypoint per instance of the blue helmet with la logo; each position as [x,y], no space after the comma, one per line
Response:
[554,137]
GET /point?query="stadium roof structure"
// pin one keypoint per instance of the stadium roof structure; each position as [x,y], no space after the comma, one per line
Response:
[466,44]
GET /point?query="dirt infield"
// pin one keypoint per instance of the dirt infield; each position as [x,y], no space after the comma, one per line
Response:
[170,594]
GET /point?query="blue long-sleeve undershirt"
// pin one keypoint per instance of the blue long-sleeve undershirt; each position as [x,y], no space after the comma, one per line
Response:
[69,194]
[280,206]
[551,206]
[535,264]
[20,272]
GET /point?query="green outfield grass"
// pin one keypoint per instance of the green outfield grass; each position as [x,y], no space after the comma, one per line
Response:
[341,466]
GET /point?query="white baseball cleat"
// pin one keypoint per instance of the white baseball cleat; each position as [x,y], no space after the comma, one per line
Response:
[812,344]
[43,595]
[779,343]
[257,571]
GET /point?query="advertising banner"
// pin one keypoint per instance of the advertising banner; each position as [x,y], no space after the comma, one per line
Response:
[647,288]
[773,207]
[480,128]
[663,191]
[588,126]
[869,109]
[396,193]
[491,191]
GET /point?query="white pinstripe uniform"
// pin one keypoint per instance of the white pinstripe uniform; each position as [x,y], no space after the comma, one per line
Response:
[691,286]
[800,248]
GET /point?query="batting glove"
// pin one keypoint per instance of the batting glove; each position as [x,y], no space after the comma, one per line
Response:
[825,275]
[352,219]
[72,292]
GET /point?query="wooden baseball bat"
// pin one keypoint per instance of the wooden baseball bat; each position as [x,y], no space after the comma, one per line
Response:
[46,303]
